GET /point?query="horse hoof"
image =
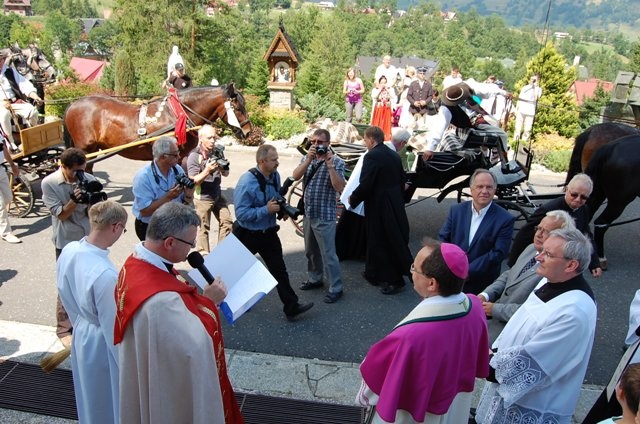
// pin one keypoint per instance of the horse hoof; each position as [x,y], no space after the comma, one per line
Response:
[603,264]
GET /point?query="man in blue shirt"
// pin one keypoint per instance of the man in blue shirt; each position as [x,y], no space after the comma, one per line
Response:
[156,184]
[255,226]
[323,179]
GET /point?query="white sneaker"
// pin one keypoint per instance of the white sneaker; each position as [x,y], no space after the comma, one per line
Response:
[10,238]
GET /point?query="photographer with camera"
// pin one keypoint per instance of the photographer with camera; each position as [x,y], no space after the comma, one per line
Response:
[206,165]
[162,181]
[256,204]
[323,174]
[63,196]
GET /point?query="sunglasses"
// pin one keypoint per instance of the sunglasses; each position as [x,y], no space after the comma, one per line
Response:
[576,195]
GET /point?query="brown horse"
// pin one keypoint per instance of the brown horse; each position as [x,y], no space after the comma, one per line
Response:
[590,140]
[99,122]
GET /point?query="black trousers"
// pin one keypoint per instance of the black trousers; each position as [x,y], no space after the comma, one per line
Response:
[141,229]
[267,244]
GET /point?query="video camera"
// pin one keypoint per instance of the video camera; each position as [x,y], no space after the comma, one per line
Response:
[285,208]
[90,190]
[217,154]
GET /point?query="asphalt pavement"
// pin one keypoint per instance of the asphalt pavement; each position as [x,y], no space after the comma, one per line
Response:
[341,332]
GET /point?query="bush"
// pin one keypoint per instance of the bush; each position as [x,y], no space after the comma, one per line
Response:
[316,106]
[557,161]
[60,96]
[553,151]
[284,124]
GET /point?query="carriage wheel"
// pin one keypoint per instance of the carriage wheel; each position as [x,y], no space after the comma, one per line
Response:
[23,200]
[520,213]
[293,197]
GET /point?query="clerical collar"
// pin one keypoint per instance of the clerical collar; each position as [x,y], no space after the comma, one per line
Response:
[550,291]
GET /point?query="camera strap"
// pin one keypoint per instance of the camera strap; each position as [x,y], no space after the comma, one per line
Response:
[314,169]
[156,177]
[262,182]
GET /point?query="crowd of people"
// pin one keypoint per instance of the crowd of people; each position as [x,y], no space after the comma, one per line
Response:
[148,347]
[145,327]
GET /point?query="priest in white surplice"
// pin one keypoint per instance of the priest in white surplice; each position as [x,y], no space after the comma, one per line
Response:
[86,281]
[541,356]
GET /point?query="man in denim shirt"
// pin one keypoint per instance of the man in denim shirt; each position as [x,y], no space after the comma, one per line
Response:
[323,179]
[255,226]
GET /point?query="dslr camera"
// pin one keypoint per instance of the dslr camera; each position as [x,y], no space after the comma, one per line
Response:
[217,155]
[322,150]
[90,190]
[285,208]
[184,181]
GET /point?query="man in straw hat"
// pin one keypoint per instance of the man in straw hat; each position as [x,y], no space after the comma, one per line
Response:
[461,108]
[425,369]
[86,281]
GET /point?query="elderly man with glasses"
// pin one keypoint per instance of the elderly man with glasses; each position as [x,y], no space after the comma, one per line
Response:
[171,352]
[540,359]
[159,182]
[574,202]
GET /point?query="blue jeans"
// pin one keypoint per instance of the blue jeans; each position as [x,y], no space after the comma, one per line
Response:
[320,249]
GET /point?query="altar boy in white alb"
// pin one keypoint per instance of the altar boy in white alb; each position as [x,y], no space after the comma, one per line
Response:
[86,283]
[541,356]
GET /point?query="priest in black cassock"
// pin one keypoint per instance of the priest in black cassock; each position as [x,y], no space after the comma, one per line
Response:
[381,189]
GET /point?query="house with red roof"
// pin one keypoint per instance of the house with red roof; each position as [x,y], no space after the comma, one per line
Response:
[581,90]
[88,70]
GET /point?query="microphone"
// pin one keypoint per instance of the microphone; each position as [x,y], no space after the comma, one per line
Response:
[196,260]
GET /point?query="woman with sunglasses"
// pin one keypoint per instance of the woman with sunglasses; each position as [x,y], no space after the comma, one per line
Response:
[574,202]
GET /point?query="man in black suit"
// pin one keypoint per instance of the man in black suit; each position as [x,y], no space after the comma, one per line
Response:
[574,202]
[382,190]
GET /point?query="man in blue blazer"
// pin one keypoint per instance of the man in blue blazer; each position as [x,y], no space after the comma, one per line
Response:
[482,229]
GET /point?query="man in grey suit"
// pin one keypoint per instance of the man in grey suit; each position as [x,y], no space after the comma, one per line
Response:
[501,299]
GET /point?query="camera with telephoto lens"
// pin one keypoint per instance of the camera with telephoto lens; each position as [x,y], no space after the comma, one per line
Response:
[285,208]
[184,181]
[217,154]
[90,190]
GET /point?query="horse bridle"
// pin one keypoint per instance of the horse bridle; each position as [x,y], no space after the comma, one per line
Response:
[33,60]
[226,110]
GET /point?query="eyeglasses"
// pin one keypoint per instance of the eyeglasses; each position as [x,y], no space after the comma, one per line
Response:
[548,255]
[317,141]
[413,269]
[175,155]
[192,244]
[124,230]
[576,195]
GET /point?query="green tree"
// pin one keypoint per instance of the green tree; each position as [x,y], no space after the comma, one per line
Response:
[556,110]
[6,24]
[323,69]
[591,110]
[258,80]
[60,30]
[23,34]
[125,74]
[634,58]
[103,38]
[604,64]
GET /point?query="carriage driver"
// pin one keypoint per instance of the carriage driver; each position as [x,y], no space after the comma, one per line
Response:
[14,91]
[461,109]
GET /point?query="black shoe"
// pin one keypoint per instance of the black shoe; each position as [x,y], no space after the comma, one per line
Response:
[298,309]
[392,288]
[332,297]
[309,285]
[369,279]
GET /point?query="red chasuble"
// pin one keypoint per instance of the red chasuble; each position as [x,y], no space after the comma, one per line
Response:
[138,281]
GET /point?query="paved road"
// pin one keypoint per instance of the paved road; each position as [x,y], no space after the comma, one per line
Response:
[342,331]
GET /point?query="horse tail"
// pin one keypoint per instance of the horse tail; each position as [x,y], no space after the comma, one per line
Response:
[575,163]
